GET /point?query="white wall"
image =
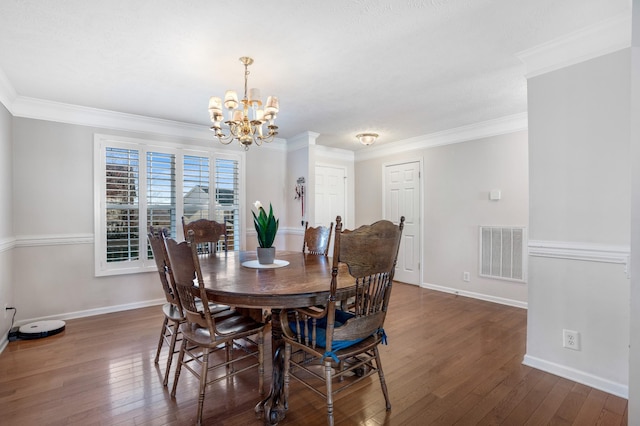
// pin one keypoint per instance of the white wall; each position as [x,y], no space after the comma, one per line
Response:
[53,224]
[580,200]
[6,224]
[53,211]
[456,182]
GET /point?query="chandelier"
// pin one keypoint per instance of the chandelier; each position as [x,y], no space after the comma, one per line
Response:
[244,123]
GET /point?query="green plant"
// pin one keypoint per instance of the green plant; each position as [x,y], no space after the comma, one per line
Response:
[266,226]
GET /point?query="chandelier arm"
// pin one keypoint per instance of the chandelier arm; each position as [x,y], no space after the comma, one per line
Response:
[225,140]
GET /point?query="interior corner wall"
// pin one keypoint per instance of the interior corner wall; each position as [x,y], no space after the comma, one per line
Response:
[634,355]
[6,221]
[579,187]
[265,177]
[456,182]
[297,165]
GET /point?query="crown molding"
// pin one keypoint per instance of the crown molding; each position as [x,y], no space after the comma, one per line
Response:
[499,126]
[8,94]
[301,141]
[326,152]
[39,109]
[596,40]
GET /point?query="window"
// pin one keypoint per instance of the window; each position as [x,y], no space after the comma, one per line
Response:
[141,184]
[227,207]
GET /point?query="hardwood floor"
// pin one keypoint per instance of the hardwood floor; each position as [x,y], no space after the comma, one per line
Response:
[450,360]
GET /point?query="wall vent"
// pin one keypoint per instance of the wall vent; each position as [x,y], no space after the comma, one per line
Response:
[502,252]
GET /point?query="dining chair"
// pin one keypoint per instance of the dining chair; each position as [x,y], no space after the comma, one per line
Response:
[316,240]
[207,233]
[203,335]
[344,343]
[172,309]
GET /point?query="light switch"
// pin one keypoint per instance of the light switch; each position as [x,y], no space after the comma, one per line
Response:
[495,195]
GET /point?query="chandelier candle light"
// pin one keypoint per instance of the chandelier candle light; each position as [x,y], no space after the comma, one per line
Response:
[245,123]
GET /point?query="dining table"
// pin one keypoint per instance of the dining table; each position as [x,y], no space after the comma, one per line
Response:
[294,280]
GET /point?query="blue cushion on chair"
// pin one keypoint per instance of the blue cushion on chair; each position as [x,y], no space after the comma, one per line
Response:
[321,331]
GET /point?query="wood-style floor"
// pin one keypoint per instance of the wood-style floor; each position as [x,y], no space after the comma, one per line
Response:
[450,360]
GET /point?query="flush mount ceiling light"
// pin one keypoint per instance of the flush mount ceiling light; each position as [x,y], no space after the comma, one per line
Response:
[245,123]
[367,138]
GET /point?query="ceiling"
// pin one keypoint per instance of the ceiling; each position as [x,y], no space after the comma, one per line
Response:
[339,67]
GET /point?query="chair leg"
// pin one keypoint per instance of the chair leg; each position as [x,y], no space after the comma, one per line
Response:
[327,377]
[161,341]
[183,347]
[228,350]
[383,384]
[261,363]
[203,383]
[286,370]
[172,348]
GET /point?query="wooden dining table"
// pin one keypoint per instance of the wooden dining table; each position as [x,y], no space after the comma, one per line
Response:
[304,281]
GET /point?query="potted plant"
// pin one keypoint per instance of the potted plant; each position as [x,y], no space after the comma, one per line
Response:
[266,227]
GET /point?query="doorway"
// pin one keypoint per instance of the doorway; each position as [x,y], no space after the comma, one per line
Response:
[330,200]
[401,197]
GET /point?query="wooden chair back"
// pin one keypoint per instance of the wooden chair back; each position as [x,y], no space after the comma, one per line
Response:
[156,241]
[207,231]
[316,240]
[186,267]
[370,253]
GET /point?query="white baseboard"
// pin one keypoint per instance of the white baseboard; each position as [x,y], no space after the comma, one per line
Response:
[583,377]
[480,296]
[81,314]
[96,311]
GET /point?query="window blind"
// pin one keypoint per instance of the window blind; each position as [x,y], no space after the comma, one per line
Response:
[161,190]
[196,188]
[227,206]
[122,168]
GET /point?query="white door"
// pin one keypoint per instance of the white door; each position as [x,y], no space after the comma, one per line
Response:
[402,198]
[330,197]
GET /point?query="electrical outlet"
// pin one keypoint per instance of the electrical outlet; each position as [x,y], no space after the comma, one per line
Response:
[571,339]
[466,276]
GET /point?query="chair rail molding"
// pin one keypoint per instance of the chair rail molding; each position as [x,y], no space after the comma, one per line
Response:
[590,252]
[7,244]
[53,240]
